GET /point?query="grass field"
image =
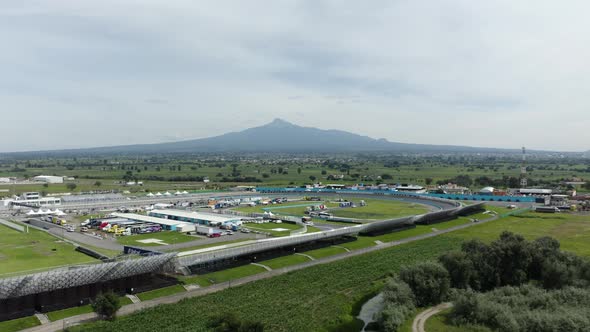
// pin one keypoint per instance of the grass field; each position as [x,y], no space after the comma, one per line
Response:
[277,263]
[168,237]
[439,323]
[145,296]
[35,250]
[573,231]
[325,252]
[74,311]
[224,275]
[19,324]
[375,209]
[268,228]
[381,209]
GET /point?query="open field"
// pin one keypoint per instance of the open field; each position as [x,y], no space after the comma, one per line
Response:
[573,231]
[375,209]
[167,237]
[326,297]
[19,324]
[35,250]
[381,209]
[161,172]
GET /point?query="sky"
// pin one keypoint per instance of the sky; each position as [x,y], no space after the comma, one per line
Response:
[479,73]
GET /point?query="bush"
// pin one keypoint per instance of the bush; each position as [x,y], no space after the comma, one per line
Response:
[106,305]
[430,282]
[229,322]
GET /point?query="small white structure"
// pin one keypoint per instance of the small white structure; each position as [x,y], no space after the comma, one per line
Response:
[49,179]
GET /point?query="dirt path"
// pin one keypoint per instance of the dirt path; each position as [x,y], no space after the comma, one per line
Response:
[421,318]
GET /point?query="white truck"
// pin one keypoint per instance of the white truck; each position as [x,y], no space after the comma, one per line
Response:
[204,230]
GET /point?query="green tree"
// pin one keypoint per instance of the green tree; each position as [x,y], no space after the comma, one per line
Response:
[430,282]
[460,268]
[428,181]
[312,178]
[71,186]
[97,184]
[106,305]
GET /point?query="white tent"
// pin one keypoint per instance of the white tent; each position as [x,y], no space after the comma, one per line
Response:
[150,195]
[30,213]
[177,193]
[185,192]
[158,194]
[167,193]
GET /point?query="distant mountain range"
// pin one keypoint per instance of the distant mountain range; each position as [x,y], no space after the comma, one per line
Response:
[285,137]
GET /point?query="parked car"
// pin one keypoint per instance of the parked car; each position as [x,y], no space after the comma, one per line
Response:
[83,229]
[244,230]
[214,235]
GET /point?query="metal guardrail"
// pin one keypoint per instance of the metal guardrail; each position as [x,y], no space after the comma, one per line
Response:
[12,225]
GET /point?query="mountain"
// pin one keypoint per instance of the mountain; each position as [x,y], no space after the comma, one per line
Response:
[282,136]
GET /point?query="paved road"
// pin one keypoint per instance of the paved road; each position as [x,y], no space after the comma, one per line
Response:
[421,318]
[131,308]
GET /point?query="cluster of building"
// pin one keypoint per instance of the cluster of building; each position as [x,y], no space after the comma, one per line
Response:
[182,221]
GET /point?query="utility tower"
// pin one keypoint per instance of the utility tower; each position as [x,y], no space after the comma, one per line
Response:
[523,178]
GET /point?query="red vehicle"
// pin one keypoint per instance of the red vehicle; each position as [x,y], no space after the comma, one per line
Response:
[215,235]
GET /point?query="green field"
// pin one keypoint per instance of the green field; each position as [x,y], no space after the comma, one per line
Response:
[375,209]
[573,231]
[325,252]
[381,209]
[224,275]
[168,237]
[268,228]
[36,250]
[153,294]
[324,297]
[277,263]
[74,311]
[19,324]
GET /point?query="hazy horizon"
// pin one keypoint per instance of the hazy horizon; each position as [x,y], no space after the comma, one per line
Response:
[92,74]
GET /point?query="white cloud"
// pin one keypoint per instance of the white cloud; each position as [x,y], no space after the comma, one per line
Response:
[499,73]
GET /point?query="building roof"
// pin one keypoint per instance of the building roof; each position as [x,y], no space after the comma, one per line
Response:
[155,220]
[197,215]
[487,190]
[535,191]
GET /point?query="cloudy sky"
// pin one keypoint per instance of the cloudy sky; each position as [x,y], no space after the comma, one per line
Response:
[109,72]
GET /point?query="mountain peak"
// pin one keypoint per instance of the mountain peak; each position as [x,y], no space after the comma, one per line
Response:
[278,122]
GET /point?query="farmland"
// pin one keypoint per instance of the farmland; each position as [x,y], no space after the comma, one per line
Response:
[325,297]
[186,172]
[36,250]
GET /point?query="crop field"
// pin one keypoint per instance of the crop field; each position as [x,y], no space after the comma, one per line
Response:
[186,172]
[319,298]
[35,250]
[166,237]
